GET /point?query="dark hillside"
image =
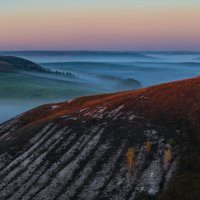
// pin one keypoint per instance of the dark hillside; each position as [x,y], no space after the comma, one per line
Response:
[16,64]
[140,144]
[20,63]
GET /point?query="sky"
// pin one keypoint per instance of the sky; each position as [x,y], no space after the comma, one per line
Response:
[100,25]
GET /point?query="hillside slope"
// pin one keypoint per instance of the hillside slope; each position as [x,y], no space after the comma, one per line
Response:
[141,144]
[11,63]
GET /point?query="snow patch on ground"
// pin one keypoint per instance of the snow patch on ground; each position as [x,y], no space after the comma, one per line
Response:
[131,117]
[151,178]
[114,112]
[70,100]
[67,171]
[54,107]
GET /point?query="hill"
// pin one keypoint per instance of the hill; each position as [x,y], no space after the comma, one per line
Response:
[140,144]
[12,63]
[15,63]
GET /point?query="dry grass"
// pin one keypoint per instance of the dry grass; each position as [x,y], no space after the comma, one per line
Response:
[174,105]
[176,101]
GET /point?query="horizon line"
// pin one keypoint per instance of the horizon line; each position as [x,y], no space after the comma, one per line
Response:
[97,50]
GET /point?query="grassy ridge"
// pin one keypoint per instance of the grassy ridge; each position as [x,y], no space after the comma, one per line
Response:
[20,63]
[15,84]
[22,86]
[171,106]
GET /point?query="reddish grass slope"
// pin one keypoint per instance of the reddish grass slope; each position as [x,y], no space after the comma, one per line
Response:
[172,109]
[176,101]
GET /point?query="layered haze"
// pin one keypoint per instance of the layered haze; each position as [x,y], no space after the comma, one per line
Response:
[104,46]
[69,74]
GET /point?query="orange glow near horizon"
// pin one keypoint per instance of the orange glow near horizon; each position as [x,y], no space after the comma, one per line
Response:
[168,28]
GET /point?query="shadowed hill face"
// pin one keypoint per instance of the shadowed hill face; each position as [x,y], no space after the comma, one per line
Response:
[130,145]
[20,65]
[6,67]
[174,101]
[15,63]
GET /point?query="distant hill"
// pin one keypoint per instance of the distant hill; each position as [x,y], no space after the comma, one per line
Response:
[6,67]
[122,83]
[140,144]
[8,63]
[12,63]
[79,53]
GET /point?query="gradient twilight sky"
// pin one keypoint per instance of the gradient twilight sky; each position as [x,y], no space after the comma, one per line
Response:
[100,25]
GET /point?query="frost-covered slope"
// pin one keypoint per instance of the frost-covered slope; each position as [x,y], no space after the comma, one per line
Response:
[117,146]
